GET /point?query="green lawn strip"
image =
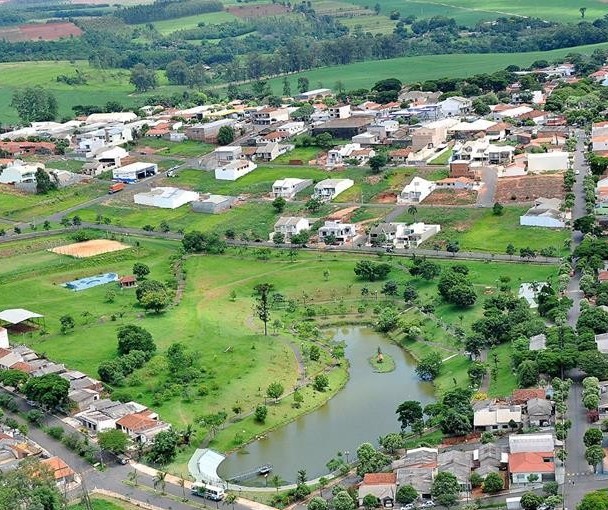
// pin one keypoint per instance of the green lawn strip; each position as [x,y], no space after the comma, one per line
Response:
[188,148]
[71,165]
[429,438]
[28,207]
[104,503]
[479,230]
[303,154]
[453,374]
[443,158]
[506,381]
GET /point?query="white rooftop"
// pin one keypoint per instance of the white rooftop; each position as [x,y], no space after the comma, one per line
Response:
[17,315]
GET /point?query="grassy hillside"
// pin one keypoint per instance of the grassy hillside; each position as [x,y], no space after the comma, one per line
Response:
[467,12]
[412,69]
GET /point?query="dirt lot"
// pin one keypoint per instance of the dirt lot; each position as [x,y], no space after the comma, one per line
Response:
[257,11]
[529,188]
[451,197]
[40,32]
[89,248]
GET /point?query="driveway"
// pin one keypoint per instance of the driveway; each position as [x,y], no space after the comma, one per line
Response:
[489,178]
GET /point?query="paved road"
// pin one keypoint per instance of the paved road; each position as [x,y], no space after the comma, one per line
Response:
[579,475]
[485,197]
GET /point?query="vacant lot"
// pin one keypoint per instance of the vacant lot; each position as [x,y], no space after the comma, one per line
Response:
[529,188]
[40,32]
[480,230]
[451,197]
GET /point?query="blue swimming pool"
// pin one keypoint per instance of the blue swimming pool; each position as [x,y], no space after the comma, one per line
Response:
[91,281]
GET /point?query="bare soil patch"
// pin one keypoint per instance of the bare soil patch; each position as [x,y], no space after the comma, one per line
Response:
[386,197]
[451,197]
[257,11]
[89,248]
[342,214]
[40,32]
[529,188]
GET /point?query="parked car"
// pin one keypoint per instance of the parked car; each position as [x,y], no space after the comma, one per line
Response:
[427,504]
[409,506]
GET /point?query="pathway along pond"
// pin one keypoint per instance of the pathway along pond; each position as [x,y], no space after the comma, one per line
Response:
[361,412]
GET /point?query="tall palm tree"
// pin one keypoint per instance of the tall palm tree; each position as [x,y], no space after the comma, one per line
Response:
[182,484]
[230,499]
[159,481]
[413,210]
[132,477]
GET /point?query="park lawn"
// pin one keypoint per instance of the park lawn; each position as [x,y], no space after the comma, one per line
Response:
[187,148]
[453,374]
[443,158]
[506,381]
[28,207]
[304,154]
[480,230]
[105,503]
[210,18]
[420,68]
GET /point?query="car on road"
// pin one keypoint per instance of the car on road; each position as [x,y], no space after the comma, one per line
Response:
[427,504]
[577,171]
[409,506]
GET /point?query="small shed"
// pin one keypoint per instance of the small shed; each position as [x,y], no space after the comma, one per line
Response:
[128,281]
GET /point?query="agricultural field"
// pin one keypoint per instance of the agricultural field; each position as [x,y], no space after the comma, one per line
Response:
[40,31]
[234,354]
[373,24]
[480,230]
[427,67]
[465,12]
[210,18]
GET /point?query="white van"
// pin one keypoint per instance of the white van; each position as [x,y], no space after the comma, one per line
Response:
[208,491]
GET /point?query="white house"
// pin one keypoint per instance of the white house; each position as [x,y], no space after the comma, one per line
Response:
[166,198]
[402,235]
[455,106]
[339,111]
[519,443]
[290,226]
[416,191]
[338,155]
[269,115]
[548,161]
[331,188]
[111,117]
[314,94]
[367,138]
[343,232]
[228,153]
[544,213]
[292,128]
[527,466]
[134,172]
[19,172]
[289,187]
[493,418]
[235,170]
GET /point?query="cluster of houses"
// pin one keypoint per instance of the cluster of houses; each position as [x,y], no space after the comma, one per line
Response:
[92,412]
[520,459]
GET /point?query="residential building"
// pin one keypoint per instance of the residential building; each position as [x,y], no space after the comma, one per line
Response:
[235,170]
[292,128]
[290,226]
[457,183]
[314,94]
[111,157]
[269,151]
[269,115]
[328,189]
[339,111]
[416,191]
[417,468]
[165,197]
[489,458]
[539,412]
[459,463]
[82,399]
[521,443]
[402,235]
[135,171]
[103,414]
[343,128]
[455,106]
[16,149]
[60,471]
[142,426]
[207,132]
[289,187]
[367,138]
[381,485]
[527,466]
[228,153]
[399,155]
[212,204]
[548,161]
[340,154]
[545,213]
[342,232]
[497,417]
[19,173]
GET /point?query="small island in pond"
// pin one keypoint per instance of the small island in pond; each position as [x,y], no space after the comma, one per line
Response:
[382,363]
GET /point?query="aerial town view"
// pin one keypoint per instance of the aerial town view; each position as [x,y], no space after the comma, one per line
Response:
[304,255]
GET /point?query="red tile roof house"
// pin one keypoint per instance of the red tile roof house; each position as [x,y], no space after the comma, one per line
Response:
[142,426]
[381,485]
[521,396]
[526,464]
[61,472]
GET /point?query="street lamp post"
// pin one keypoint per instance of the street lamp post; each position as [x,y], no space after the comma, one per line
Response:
[346,454]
